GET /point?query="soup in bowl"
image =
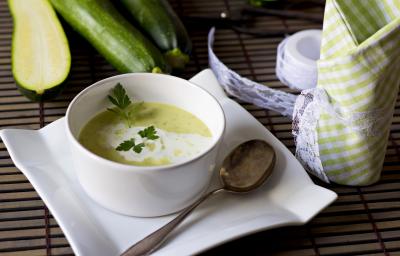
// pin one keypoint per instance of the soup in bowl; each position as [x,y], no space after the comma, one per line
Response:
[144,144]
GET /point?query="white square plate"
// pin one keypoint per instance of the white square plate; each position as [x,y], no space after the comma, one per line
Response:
[289,197]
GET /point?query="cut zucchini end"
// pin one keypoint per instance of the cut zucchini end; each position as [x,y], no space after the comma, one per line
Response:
[41,95]
[36,86]
[176,59]
[46,95]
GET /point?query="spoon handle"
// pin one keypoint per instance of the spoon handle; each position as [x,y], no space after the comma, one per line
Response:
[151,242]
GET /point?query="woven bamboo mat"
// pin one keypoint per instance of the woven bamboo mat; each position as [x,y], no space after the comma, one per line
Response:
[363,221]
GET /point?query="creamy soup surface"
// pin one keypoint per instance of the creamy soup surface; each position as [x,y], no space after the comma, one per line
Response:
[181,135]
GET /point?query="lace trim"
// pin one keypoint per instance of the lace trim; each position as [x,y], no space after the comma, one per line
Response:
[247,90]
[305,119]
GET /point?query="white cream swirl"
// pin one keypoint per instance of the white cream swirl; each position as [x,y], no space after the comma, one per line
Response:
[170,147]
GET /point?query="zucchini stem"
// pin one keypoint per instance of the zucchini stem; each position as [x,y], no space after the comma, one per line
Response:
[176,59]
[156,70]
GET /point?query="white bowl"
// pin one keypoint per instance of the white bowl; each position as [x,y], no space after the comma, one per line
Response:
[136,190]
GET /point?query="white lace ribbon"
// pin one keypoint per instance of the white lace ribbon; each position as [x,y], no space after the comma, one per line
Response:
[305,120]
[247,90]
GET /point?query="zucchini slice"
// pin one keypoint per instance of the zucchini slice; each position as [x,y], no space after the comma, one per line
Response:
[41,58]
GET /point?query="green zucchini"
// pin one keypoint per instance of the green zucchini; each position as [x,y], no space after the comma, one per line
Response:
[160,22]
[116,39]
[40,54]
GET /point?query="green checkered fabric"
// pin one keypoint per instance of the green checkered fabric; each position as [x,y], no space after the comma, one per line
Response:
[360,71]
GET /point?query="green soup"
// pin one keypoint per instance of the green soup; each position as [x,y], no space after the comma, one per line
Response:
[181,135]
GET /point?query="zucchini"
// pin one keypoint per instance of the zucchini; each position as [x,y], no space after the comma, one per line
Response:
[40,54]
[160,22]
[116,39]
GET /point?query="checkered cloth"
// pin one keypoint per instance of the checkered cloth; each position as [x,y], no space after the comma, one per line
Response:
[342,126]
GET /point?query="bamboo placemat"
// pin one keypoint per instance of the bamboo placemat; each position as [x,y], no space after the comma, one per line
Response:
[363,221]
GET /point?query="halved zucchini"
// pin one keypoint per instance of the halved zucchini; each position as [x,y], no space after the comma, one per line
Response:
[41,58]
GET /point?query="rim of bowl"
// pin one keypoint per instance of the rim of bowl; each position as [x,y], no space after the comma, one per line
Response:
[127,167]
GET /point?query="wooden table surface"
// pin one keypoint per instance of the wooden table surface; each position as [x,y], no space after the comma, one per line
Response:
[363,221]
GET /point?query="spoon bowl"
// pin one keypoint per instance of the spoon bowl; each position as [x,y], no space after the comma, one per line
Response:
[247,166]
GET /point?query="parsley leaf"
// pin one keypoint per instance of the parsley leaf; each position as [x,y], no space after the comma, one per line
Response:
[149,133]
[120,99]
[126,145]
[130,144]
[124,108]
[139,147]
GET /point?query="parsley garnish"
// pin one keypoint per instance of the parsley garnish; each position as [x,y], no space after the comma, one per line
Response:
[125,109]
[149,133]
[126,145]
[130,144]
[122,104]
[121,100]
[138,148]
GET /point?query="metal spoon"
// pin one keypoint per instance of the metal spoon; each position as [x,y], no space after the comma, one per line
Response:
[243,170]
